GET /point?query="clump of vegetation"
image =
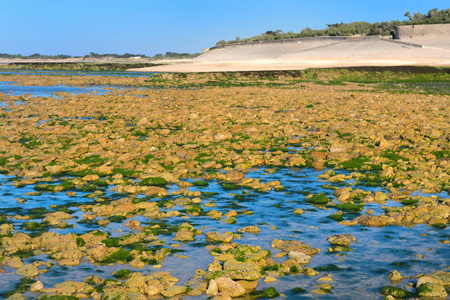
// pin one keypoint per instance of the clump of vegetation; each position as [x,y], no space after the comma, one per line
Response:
[355,163]
[200,183]
[410,202]
[117,218]
[269,292]
[59,297]
[331,268]
[32,226]
[122,274]
[439,225]
[394,291]
[320,198]
[434,16]
[121,255]
[298,290]
[153,181]
[336,217]
[350,207]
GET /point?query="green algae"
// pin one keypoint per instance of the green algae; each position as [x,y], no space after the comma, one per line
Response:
[320,198]
[350,207]
[200,183]
[336,217]
[331,268]
[269,292]
[117,218]
[32,226]
[298,290]
[153,181]
[58,297]
[22,286]
[122,274]
[121,255]
[439,225]
[394,291]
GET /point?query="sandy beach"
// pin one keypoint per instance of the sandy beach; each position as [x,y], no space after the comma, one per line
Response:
[315,54]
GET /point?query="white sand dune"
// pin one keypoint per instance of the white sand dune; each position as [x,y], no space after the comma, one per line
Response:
[321,53]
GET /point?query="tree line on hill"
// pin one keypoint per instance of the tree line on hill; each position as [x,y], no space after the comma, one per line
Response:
[434,16]
[93,55]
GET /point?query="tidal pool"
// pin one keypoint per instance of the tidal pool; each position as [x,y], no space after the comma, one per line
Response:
[8,88]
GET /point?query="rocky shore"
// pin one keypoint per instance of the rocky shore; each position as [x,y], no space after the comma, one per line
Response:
[134,161]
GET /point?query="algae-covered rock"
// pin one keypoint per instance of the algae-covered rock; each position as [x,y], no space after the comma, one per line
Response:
[299,257]
[234,274]
[269,292]
[230,286]
[219,237]
[395,276]
[114,293]
[298,246]
[324,288]
[153,181]
[213,289]
[28,271]
[432,290]
[16,296]
[184,236]
[371,221]
[250,229]
[320,198]
[174,290]
[310,272]
[225,295]
[394,291]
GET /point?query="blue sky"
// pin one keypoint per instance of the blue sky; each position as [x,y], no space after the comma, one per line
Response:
[78,27]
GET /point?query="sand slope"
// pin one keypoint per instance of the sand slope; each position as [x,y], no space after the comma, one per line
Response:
[308,53]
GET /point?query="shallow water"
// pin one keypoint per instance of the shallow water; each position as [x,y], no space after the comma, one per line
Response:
[9,88]
[78,73]
[364,270]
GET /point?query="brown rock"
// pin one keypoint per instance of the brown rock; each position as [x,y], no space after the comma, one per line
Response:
[232,287]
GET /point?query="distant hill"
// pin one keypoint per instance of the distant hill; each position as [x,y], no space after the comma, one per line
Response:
[96,56]
[434,16]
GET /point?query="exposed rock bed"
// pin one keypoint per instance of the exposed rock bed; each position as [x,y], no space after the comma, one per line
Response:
[137,164]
